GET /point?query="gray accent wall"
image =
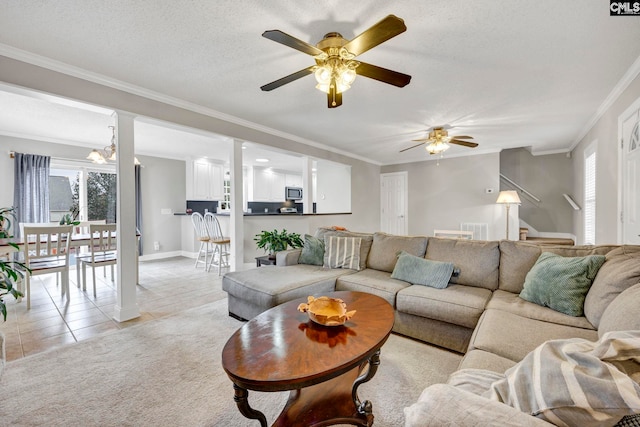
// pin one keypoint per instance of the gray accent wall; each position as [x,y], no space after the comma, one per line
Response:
[163,187]
[605,134]
[443,196]
[547,177]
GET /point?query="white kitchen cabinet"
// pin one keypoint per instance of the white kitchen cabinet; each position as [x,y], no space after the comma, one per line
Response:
[292,180]
[204,180]
[268,185]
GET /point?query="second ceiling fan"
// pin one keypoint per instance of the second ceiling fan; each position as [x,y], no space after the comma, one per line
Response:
[336,68]
[438,140]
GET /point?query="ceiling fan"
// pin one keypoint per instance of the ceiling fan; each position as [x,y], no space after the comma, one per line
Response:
[438,140]
[335,68]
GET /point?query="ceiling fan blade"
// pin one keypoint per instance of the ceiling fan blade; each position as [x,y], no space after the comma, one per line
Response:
[383,75]
[287,40]
[379,33]
[287,79]
[421,140]
[414,146]
[461,137]
[465,143]
[334,99]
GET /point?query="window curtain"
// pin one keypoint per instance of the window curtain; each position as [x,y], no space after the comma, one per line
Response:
[31,188]
[138,208]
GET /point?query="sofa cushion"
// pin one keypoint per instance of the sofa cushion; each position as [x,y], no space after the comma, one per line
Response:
[576,382]
[513,337]
[517,258]
[480,359]
[270,286]
[365,243]
[506,301]
[478,261]
[623,313]
[561,283]
[342,252]
[386,247]
[456,304]
[312,252]
[374,282]
[421,271]
[446,405]
[620,271]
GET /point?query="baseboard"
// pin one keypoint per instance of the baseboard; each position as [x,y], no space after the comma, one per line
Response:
[162,255]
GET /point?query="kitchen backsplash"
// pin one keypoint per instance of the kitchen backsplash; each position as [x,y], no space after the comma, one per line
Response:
[202,206]
[258,207]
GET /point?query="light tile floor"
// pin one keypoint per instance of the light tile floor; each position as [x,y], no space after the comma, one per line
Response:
[165,287]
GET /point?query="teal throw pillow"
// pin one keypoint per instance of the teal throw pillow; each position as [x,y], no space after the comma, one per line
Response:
[421,271]
[561,283]
[312,251]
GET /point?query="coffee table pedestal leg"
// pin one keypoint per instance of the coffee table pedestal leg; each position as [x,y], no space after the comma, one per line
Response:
[365,407]
[332,402]
[241,398]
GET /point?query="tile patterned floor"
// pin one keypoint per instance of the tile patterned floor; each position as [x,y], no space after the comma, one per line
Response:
[166,287]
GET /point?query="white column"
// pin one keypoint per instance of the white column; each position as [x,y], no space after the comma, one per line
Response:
[307,185]
[236,223]
[126,307]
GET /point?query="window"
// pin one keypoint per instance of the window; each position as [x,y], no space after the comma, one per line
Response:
[590,196]
[86,192]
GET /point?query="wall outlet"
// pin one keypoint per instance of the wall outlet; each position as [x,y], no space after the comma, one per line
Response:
[156,246]
[488,190]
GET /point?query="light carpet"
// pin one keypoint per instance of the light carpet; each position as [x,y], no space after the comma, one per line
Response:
[168,372]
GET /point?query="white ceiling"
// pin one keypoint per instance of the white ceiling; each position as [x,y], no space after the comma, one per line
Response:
[511,73]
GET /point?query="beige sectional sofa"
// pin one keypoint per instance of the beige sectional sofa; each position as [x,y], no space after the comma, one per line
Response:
[479,313]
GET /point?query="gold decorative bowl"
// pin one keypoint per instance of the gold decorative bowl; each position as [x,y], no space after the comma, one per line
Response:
[326,311]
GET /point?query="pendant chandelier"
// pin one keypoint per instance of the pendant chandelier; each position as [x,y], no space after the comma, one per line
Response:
[108,153]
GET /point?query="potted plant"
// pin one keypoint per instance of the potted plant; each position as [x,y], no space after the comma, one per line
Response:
[67,220]
[275,241]
[9,272]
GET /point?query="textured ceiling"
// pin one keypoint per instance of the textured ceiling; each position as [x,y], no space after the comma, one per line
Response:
[511,73]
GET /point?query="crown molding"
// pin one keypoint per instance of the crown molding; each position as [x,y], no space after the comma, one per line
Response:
[615,93]
[61,67]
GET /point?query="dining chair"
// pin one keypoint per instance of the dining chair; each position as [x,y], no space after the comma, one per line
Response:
[102,252]
[219,243]
[46,250]
[83,229]
[22,225]
[202,234]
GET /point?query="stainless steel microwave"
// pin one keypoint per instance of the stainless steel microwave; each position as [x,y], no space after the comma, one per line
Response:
[293,193]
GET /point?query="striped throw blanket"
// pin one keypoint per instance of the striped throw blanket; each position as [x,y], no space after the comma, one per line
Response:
[576,382]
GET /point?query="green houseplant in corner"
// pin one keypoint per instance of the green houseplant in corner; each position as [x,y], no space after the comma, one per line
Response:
[275,241]
[9,273]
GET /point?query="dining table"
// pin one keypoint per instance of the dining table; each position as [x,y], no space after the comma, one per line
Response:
[78,240]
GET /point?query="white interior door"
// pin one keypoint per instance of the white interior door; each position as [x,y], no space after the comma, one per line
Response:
[393,203]
[630,174]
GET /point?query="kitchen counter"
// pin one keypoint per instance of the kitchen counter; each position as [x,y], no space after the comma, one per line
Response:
[270,214]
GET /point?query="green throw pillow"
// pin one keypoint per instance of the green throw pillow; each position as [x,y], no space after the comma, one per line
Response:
[312,251]
[421,271]
[561,283]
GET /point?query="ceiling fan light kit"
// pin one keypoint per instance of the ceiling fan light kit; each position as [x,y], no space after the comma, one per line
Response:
[439,141]
[335,69]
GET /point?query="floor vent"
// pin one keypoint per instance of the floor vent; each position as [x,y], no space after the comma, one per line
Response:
[480,229]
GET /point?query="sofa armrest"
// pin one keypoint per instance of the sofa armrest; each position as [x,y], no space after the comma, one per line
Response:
[445,405]
[288,257]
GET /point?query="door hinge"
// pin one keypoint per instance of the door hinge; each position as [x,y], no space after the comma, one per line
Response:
[622,143]
[622,217]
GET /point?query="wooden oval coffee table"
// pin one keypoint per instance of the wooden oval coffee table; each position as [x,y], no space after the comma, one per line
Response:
[323,366]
